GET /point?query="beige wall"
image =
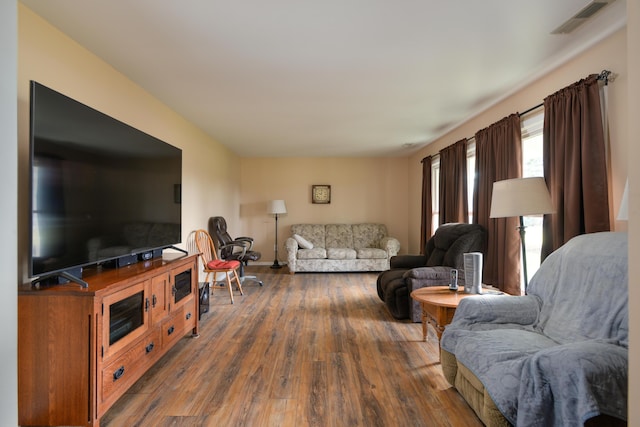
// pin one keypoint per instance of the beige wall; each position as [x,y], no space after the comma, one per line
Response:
[362,190]
[633,159]
[51,58]
[609,54]
[8,216]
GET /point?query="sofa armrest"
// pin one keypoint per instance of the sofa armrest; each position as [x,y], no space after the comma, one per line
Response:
[391,245]
[422,277]
[429,273]
[497,309]
[291,245]
[408,261]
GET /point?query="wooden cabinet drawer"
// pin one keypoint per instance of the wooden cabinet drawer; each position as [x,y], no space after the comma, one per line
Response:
[179,323]
[190,313]
[123,370]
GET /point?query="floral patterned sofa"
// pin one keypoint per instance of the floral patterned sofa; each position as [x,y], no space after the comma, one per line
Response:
[340,247]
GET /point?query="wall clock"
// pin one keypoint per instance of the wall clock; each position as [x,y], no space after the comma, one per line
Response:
[321,194]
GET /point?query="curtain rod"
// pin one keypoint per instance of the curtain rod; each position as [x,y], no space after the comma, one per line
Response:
[604,75]
[531,109]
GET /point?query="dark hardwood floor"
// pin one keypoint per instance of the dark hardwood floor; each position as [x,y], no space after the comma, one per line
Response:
[303,350]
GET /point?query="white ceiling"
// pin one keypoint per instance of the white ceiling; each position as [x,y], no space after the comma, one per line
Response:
[330,78]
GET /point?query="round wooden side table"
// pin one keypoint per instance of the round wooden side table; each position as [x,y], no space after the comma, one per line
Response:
[438,304]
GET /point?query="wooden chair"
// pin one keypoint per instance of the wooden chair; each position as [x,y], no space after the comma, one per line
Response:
[212,264]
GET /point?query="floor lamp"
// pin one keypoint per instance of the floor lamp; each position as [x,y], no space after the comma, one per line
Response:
[276,207]
[521,197]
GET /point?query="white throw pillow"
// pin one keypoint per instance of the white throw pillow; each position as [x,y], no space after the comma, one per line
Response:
[302,242]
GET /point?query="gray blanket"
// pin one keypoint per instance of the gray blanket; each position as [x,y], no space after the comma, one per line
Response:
[557,356]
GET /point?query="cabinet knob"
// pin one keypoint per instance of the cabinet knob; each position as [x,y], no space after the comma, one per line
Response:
[155,300]
[118,373]
[188,316]
[149,348]
[170,330]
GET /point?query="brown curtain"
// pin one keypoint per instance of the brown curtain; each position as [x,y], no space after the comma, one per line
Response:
[454,206]
[498,157]
[574,156]
[426,212]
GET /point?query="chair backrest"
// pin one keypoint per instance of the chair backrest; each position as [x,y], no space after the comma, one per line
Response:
[218,229]
[451,241]
[205,246]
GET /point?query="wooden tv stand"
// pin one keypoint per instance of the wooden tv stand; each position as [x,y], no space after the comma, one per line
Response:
[80,349]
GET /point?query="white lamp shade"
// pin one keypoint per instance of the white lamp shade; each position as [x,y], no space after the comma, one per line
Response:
[520,197]
[276,207]
[623,213]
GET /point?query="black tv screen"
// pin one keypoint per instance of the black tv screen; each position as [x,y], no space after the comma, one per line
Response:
[100,189]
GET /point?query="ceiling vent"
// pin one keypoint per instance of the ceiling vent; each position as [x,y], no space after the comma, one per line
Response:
[581,17]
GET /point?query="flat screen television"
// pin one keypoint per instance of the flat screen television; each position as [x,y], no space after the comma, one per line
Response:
[101,190]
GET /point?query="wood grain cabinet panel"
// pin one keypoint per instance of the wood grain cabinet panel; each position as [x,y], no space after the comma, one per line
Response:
[123,370]
[80,349]
[160,288]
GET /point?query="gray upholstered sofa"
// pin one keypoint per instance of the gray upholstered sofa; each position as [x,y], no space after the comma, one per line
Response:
[557,356]
[340,247]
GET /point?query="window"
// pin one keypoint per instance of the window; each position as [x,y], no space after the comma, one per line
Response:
[435,193]
[471,175]
[532,166]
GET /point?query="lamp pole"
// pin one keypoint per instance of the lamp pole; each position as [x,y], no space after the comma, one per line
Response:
[276,264]
[276,207]
[524,254]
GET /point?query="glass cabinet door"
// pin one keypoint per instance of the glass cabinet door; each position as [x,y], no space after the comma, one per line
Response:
[125,317]
[182,286]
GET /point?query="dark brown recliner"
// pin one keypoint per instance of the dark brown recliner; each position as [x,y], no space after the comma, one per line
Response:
[239,248]
[443,252]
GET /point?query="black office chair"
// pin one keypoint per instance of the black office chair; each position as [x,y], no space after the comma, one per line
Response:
[239,248]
